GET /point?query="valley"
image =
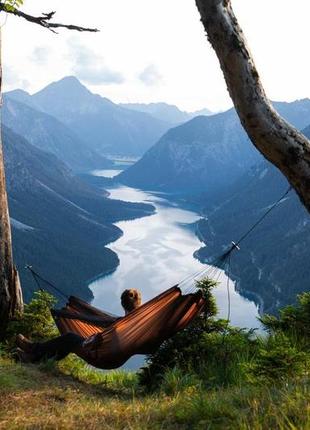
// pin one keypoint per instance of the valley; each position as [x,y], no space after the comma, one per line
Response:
[60,225]
[70,228]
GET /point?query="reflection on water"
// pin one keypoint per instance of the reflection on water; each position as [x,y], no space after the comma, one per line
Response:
[155,253]
[106,173]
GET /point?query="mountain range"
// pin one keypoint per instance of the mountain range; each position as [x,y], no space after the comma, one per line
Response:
[49,134]
[205,154]
[94,122]
[60,224]
[100,123]
[165,111]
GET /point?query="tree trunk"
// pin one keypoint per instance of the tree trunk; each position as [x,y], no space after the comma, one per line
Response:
[274,137]
[10,291]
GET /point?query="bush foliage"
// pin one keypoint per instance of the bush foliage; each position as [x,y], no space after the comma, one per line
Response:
[36,321]
[213,353]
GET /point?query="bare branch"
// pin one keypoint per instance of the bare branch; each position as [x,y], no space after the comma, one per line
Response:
[44,20]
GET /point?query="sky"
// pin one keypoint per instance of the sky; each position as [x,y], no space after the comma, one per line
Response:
[156,50]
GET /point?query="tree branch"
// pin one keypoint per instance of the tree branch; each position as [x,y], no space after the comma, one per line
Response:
[43,20]
[274,137]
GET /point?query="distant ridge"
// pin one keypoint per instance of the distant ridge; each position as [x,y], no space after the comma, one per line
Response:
[166,112]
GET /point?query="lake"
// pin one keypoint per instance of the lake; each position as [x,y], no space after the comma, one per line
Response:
[156,252]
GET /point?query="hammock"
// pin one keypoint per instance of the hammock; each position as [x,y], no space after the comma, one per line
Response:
[110,340]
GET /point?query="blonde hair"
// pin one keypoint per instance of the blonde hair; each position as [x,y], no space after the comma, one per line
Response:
[130,299]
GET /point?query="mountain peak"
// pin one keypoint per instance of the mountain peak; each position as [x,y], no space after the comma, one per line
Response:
[70,81]
[69,84]
[65,95]
[70,78]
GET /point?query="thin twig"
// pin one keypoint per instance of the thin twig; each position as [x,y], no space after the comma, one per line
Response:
[44,20]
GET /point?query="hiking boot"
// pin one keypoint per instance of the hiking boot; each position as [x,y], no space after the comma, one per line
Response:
[25,357]
[23,343]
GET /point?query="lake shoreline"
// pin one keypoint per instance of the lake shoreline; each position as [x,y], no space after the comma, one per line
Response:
[157,251]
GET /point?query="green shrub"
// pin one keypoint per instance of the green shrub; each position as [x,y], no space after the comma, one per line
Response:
[36,321]
[218,354]
[293,320]
[207,348]
[278,360]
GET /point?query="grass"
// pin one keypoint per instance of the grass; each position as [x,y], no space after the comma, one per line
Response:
[74,396]
[199,379]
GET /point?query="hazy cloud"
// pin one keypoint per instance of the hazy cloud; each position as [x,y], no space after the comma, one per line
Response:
[40,55]
[150,76]
[90,67]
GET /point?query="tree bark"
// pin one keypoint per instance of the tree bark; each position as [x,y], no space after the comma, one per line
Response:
[11,301]
[275,138]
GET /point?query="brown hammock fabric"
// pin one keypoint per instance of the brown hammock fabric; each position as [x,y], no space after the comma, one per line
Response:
[110,340]
[81,318]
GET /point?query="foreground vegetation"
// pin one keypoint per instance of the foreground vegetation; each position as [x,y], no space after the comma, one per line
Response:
[210,376]
[39,398]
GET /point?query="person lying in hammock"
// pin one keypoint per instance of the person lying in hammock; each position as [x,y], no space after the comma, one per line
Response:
[59,347]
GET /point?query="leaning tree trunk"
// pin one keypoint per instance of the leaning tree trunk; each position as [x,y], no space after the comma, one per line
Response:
[275,138]
[10,291]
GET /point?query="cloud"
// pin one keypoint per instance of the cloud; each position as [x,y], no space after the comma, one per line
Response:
[13,80]
[90,67]
[150,76]
[40,55]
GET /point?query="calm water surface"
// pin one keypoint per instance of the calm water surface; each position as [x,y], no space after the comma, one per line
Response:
[106,173]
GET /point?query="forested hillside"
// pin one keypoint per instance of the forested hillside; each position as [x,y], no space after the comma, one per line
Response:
[272,260]
[60,224]
[205,154]
[49,134]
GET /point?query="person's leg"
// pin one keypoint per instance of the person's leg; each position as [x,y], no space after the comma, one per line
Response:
[57,348]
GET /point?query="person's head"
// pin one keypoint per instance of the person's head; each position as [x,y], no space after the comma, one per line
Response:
[130,299]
